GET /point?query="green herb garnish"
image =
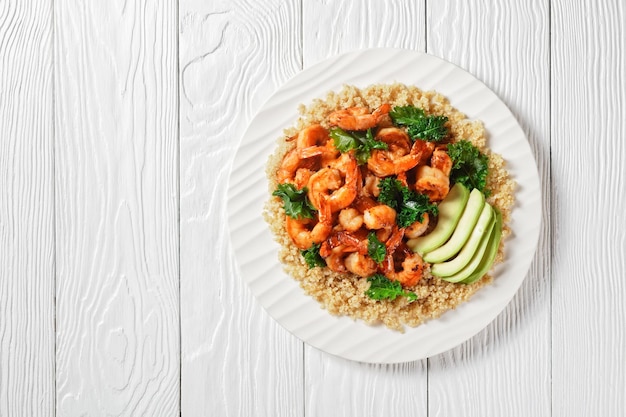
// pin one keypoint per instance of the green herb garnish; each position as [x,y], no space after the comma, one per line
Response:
[375,248]
[418,124]
[295,202]
[343,140]
[312,256]
[362,142]
[382,288]
[410,206]
[469,166]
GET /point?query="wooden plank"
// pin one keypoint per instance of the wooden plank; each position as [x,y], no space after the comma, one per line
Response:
[26,210]
[505,369]
[335,386]
[235,359]
[116,205]
[335,27]
[588,153]
[338,387]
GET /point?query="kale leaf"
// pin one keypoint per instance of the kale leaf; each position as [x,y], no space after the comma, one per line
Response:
[312,256]
[362,142]
[375,248]
[410,206]
[469,166]
[382,288]
[418,124]
[295,202]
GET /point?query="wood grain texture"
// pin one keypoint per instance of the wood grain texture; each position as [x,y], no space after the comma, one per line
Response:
[333,27]
[26,210]
[588,154]
[236,361]
[335,386]
[505,369]
[116,205]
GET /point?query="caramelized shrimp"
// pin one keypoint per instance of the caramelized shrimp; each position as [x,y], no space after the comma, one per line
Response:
[418,228]
[335,262]
[379,217]
[432,182]
[306,232]
[350,219]
[322,183]
[312,136]
[294,160]
[393,161]
[360,264]
[411,272]
[327,183]
[370,188]
[442,161]
[395,138]
[358,118]
[398,143]
[313,148]
[327,152]
[301,179]
[384,234]
[363,203]
[394,240]
[343,241]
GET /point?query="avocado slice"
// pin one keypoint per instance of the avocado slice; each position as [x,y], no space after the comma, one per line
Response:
[462,231]
[490,253]
[469,269]
[482,228]
[450,211]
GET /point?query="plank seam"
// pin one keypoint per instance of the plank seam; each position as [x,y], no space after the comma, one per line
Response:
[301,35]
[550,224]
[180,320]
[426,26]
[54,199]
[303,380]
[427,387]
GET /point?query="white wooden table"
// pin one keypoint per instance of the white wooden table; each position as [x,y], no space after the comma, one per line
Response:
[118,290]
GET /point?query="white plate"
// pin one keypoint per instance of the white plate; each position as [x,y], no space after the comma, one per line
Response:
[256,252]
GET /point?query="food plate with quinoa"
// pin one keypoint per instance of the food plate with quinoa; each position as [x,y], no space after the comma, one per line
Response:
[384,213]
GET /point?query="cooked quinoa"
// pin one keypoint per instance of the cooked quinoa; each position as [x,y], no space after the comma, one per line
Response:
[344,293]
